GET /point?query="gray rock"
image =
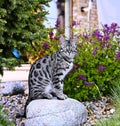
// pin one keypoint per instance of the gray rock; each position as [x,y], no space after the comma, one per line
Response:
[55,112]
[12,89]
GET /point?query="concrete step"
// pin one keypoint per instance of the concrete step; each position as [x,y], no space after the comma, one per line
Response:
[19,74]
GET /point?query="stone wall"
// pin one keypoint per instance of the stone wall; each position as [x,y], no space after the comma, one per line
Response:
[82,17]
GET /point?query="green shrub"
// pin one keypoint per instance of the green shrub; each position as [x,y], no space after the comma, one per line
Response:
[4,121]
[97,64]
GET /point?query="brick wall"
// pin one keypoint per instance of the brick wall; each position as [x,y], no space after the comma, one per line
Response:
[83,16]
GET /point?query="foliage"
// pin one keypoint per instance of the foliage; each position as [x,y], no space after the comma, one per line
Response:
[47,45]
[4,121]
[115,119]
[96,65]
[21,23]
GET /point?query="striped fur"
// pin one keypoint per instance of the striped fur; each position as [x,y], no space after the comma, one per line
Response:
[47,74]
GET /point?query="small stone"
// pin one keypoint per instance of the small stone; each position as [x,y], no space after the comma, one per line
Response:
[93,123]
[112,110]
[13,89]
[88,124]
[98,116]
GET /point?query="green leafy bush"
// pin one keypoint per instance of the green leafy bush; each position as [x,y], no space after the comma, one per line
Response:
[97,64]
[4,121]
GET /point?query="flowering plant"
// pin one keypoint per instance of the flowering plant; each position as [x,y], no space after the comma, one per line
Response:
[48,44]
[96,65]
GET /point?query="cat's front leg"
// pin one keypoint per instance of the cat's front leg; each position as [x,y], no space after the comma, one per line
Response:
[58,91]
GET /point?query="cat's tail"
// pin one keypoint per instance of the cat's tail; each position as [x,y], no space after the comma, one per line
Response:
[23,114]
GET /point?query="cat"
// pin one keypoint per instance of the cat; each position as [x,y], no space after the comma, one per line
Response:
[46,75]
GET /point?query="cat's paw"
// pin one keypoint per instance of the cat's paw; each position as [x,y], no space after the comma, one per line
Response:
[48,96]
[62,97]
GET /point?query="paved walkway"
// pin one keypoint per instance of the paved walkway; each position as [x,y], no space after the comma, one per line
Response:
[20,74]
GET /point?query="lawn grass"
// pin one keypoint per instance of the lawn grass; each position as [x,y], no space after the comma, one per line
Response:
[115,119]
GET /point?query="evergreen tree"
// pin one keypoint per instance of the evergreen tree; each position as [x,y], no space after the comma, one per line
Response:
[21,23]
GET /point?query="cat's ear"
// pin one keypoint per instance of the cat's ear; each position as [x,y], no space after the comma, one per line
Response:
[62,40]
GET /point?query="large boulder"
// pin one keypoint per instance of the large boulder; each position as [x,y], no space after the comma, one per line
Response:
[55,112]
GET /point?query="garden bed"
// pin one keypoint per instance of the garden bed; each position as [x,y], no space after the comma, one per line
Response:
[15,104]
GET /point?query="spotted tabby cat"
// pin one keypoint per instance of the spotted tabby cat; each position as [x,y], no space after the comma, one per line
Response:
[47,74]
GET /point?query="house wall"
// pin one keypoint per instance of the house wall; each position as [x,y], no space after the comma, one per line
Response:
[82,17]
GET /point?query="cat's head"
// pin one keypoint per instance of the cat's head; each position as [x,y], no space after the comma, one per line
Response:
[68,47]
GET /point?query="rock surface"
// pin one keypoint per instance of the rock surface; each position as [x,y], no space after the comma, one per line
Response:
[12,89]
[55,112]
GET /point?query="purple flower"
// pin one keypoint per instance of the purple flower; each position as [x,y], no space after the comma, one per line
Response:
[102,45]
[119,42]
[106,37]
[51,34]
[101,67]
[110,29]
[74,23]
[100,39]
[106,28]
[81,77]
[95,51]
[87,83]
[45,45]
[57,23]
[98,35]
[106,25]
[86,35]
[118,55]
[113,25]
[118,33]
